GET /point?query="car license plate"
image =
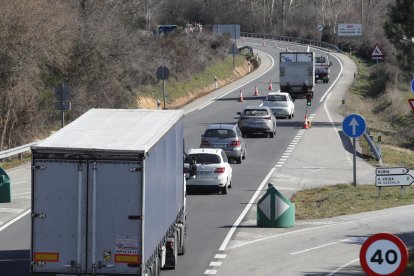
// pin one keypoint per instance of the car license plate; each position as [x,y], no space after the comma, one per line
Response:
[204,172]
[220,145]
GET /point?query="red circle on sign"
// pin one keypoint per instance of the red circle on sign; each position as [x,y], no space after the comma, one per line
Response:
[393,239]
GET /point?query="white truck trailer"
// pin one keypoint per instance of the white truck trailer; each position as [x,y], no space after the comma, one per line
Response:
[297,73]
[108,194]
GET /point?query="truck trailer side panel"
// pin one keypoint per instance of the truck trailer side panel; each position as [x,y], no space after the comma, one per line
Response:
[164,187]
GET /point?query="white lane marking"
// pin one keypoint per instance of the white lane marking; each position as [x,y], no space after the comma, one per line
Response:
[20,194]
[19,169]
[205,105]
[289,151]
[286,154]
[215,263]
[319,246]
[318,227]
[237,88]
[19,182]
[348,158]
[335,81]
[210,272]
[14,220]
[340,268]
[283,159]
[11,210]
[220,256]
[246,209]
[278,166]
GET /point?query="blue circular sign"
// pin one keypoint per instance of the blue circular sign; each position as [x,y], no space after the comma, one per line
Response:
[412,85]
[354,125]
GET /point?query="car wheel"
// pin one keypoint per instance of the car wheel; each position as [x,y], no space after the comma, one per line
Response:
[245,153]
[239,159]
[224,190]
[290,116]
[271,134]
[230,184]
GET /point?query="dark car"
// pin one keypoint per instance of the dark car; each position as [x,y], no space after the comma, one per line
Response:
[227,137]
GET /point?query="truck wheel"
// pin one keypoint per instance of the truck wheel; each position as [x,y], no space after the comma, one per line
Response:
[224,190]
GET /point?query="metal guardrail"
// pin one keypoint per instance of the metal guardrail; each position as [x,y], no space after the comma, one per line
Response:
[303,41]
[16,151]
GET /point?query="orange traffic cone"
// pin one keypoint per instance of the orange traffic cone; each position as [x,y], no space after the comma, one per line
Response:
[256,91]
[270,86]
[241,96]
[305,124]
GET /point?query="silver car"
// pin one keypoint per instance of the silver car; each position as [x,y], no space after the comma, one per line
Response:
[257,119]
[227,137]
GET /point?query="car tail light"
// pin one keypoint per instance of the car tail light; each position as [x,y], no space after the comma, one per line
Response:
[220,170]
[204,144]
[170,244]
[235,143]
[267,118]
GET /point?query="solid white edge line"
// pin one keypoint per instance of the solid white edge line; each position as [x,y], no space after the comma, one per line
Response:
[237,88]
[246,209]
[315,247]
[14,220]
[340,268]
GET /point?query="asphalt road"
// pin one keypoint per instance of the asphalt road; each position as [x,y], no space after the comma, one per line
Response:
[212,216]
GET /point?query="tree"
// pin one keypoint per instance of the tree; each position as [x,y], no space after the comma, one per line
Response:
[399,29]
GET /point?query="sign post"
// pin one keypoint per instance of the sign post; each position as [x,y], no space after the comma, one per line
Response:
[62,95]
[383,254]
[354,126]
[377,54]
[162,74]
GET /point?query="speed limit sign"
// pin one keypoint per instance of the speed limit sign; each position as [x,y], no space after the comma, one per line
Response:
[383,254]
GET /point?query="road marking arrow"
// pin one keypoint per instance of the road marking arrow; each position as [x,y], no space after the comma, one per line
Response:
[354,124]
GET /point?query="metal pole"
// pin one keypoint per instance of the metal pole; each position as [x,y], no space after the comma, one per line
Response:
[354,165]
[377,70]
[234,53]
[63,114]
[163,89]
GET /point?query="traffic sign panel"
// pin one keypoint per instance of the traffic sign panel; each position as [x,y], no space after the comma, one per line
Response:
[388,171]
[383,254]
[353,125]
[377,52]
[394,180]
[411,101]
[412,86]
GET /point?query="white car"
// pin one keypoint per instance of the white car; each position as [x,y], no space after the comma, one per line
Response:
[212,169]
[281,104]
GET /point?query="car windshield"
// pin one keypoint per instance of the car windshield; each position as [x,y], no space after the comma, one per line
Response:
[205,158]
[220,133]
[320,60]
[276,98]
[255,112]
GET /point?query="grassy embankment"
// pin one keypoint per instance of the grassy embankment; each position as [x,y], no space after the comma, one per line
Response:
[367,98]
[180,92]
[183,92]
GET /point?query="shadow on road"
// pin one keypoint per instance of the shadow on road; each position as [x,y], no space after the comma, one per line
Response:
[15,262]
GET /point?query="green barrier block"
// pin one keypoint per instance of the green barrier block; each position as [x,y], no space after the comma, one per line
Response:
[275,210]
[5,194]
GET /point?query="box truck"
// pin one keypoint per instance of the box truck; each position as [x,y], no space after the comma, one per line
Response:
[108,194]
[297,73]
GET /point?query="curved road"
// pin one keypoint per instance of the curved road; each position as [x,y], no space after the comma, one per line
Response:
[214,244]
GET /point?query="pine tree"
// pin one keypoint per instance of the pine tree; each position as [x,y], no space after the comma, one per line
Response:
[399,29]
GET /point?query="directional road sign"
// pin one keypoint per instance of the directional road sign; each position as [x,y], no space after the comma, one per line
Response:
[354,125]
[383,254]
[394,180]
[390,171]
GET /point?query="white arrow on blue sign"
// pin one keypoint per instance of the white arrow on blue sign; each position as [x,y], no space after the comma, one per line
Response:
[354,125]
